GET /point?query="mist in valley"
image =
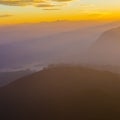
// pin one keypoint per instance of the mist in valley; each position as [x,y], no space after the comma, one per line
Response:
[26,46]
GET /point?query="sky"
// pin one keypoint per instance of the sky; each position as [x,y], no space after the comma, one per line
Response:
[33,11]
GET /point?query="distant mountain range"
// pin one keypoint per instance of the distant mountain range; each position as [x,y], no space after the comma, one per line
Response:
[62,93]
[48,43]
[106,50]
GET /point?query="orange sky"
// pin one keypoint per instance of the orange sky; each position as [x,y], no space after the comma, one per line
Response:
[32,11]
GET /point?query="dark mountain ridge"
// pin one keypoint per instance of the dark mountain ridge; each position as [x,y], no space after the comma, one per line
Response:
[62,93]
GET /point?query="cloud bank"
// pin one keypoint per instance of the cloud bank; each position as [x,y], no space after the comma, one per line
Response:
[37,3]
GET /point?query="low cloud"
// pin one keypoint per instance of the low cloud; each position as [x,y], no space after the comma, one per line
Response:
[19,2]
[36,3]
[45,5]
[5,15]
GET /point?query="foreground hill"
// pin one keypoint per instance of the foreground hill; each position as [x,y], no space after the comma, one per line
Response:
[106,49]
[62,93]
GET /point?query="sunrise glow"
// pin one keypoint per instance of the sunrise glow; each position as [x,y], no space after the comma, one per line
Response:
[32,11]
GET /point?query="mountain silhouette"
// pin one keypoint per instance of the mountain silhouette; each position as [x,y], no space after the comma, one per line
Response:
[62,93]
[106,50]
